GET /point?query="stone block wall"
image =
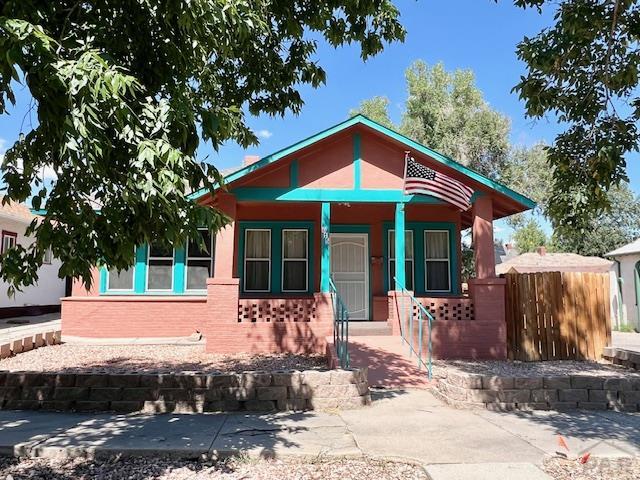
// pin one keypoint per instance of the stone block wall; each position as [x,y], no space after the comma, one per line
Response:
[29,342]
[468,390]
[185,393]
[622,357]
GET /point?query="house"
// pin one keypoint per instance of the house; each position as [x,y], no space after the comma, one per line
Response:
[326,209]
[44,297]
[627,260]
[543,261]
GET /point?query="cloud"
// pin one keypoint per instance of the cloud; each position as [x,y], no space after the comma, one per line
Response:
[264,133]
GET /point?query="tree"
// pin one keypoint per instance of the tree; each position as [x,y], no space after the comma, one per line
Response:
[616,226]
[529,236]
[447,112]
[377,109]
[125,91]
[527,170]
[584,70]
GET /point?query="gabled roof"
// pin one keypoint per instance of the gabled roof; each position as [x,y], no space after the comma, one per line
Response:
[628,249]
[18,212]
[553,262]
[367,122]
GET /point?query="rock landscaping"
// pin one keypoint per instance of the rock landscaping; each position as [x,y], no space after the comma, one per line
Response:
[185,392]
[594,469]
[231,469]
[537,386]
[151,358]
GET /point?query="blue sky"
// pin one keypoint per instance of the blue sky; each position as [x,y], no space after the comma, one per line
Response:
[476,34]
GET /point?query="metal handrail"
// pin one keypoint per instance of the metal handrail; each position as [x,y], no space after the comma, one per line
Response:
[340,327]
[422,312]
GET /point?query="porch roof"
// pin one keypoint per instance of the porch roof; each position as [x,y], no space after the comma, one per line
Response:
[509,201]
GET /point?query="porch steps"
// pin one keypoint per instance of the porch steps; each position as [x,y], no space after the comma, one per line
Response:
[368,329]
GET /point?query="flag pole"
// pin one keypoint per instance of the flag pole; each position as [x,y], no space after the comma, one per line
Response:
[404,176]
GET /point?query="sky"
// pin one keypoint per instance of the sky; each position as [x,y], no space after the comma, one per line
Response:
[480,35]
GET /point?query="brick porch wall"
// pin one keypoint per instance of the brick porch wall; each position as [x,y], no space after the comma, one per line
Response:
[129,316]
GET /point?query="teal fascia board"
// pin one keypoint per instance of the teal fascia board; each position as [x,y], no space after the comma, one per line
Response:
[330,195]
[362,120]
[418,229]
[276,228]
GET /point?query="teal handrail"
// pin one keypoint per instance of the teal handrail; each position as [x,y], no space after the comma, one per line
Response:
[340,327]
[423,314]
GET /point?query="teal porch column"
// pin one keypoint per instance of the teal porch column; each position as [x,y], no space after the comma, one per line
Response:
[399,253]
[325,247]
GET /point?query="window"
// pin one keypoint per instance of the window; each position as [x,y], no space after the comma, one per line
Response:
[437,260]
[160,268]
[257,260]
[47,256]
[8,240]
[120,281]
[408,258]
[295,255]
[199,261]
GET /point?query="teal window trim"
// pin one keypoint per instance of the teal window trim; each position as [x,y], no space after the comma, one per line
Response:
[419,260]
[357,161]
[275,275]
[140,274]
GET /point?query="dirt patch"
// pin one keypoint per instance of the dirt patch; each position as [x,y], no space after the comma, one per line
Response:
[234,469]
[594,469]
[532,369]
[152,359]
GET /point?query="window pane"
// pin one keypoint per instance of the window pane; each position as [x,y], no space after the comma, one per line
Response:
[194,249]
[256,275]
[437,244]
[47,256]
[408,244]
[294,243]
[159,251]
[437,275]
[408,274]
[197,273]
[295,276]
[159,275]
[258,244]
[122,280]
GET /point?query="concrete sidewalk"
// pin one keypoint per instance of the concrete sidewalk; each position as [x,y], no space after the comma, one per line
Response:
[409,425]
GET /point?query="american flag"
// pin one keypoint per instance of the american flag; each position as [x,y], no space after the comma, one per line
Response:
[426,181]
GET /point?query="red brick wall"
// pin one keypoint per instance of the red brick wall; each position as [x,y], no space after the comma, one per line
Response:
[118,317]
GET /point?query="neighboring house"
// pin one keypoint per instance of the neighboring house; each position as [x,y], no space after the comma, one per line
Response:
[627,260]
[37,299]
[326,209]
[543,261]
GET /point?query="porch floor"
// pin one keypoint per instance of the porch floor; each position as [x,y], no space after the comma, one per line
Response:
[388,362]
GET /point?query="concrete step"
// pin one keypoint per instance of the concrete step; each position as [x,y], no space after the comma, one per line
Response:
[367,329]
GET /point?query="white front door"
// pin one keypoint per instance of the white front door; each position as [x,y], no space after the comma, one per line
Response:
[350,272]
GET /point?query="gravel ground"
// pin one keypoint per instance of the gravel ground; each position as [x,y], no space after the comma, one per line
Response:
[235,469]
[533,369]
[594,469]
[151,358]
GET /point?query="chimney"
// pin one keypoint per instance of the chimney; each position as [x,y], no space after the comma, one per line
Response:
[250,160]
[542,251]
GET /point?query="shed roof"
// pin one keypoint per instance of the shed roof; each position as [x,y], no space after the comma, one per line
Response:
[628,249]
[553,262]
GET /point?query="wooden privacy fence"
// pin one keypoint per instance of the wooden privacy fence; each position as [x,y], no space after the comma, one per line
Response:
[557,315]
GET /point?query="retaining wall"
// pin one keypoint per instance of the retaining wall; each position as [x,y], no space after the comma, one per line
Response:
[622,357]
[468,390]
[185,393]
